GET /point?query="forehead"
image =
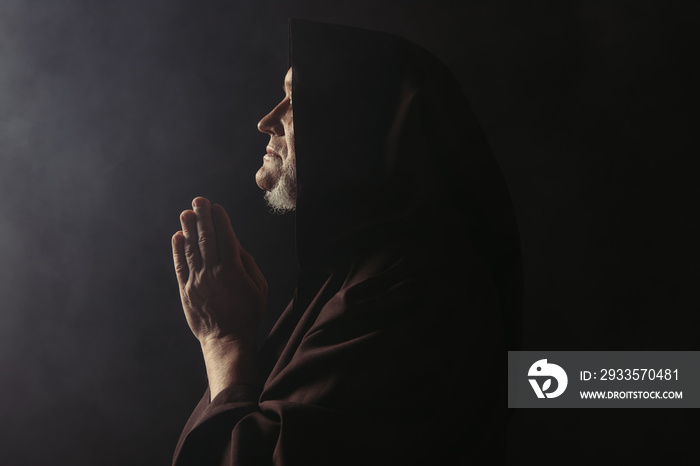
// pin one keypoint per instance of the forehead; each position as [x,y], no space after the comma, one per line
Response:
[288,80]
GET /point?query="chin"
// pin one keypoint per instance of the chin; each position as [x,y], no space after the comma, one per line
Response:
[266,180]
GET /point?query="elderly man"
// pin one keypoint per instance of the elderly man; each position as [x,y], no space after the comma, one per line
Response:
[392,350]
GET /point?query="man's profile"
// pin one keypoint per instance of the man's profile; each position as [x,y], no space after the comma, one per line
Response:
[392,348]
[277,176]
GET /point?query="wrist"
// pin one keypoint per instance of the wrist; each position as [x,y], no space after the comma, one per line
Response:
[223,347]
[229,362]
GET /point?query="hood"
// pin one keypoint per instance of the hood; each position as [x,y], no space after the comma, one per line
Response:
[387,144]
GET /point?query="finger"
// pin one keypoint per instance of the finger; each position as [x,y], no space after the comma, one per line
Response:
[205,230]
[227,243]
[181,269]
[189,228]
[253,270]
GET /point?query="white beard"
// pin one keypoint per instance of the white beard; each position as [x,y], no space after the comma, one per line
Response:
[283,196]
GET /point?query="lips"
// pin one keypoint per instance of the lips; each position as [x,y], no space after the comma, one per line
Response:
[272,153]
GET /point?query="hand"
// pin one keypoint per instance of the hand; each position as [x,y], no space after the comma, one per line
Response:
[223,292]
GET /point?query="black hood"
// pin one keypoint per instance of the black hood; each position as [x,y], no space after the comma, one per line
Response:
[387,145]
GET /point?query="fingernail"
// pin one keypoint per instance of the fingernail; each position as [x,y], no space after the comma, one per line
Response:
[197,203]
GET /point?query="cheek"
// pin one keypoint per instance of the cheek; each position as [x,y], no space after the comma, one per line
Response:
[290,142]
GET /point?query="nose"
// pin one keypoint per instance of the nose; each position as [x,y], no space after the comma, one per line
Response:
[271,123]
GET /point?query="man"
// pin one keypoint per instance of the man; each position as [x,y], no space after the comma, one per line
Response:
[392,349]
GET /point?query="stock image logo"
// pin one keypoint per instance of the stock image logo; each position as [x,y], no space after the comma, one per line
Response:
[543,371]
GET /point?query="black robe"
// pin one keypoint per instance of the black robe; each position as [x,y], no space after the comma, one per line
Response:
[393,349]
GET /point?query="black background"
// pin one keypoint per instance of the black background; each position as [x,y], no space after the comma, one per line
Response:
[115,114]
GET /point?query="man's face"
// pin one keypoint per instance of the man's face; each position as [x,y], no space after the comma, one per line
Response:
[277,175]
